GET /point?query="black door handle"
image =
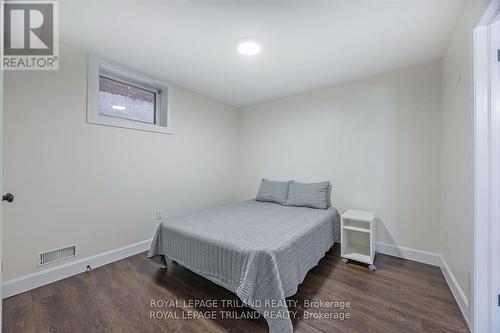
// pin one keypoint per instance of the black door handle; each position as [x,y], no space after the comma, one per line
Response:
[9,197]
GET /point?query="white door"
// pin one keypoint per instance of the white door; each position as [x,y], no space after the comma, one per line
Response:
[486,265]
[495,156]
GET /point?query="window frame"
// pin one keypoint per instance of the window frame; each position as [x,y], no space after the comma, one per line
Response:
[163,119]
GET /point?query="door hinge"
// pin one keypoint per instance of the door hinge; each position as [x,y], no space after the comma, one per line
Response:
[498,54]
[498,300]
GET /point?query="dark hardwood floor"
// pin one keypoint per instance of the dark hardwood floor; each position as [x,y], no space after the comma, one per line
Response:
[401,296]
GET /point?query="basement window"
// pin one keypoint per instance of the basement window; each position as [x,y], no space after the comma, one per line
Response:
[119,97]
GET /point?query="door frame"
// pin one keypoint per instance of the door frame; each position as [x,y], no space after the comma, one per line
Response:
[1,165]
[485,277]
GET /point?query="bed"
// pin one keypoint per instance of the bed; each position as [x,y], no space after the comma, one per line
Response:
[261,251]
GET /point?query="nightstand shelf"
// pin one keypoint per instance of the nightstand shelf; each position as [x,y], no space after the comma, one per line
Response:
[358,237]
[357,229]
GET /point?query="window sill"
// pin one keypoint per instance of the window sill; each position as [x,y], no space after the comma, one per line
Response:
[124,123]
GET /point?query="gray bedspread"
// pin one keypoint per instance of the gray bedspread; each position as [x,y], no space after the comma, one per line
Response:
[259,250]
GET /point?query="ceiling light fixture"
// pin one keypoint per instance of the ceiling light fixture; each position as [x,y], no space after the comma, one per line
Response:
[249,46]
[118,107]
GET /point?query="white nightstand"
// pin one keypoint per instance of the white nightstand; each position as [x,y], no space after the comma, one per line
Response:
[357,237]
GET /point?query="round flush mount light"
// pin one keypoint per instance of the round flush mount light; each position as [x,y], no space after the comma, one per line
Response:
[249,46]
[118,107]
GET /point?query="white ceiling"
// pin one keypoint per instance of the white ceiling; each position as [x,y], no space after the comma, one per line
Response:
[306,44]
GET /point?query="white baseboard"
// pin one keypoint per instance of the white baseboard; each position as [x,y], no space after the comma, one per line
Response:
[425,257]
[460,298]
[35,280]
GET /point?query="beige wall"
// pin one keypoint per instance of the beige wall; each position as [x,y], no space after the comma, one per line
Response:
[457,148]
[376,139]
[98,186]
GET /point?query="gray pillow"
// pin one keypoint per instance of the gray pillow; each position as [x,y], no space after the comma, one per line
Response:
[314,195]
[273,191]
[329,199]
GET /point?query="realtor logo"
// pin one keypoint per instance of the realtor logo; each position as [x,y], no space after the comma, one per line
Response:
[30,38]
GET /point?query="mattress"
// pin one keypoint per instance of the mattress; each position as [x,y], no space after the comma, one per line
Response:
[261,251]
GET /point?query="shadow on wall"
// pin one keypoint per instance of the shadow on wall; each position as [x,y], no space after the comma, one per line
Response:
[383,232]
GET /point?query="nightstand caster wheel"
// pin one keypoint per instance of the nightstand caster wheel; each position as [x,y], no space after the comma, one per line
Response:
[345,260]
[372,268]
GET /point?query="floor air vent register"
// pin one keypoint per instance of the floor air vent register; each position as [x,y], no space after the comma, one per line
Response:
[55,255]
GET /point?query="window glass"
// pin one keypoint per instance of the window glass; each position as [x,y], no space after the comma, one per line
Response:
[122,100]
